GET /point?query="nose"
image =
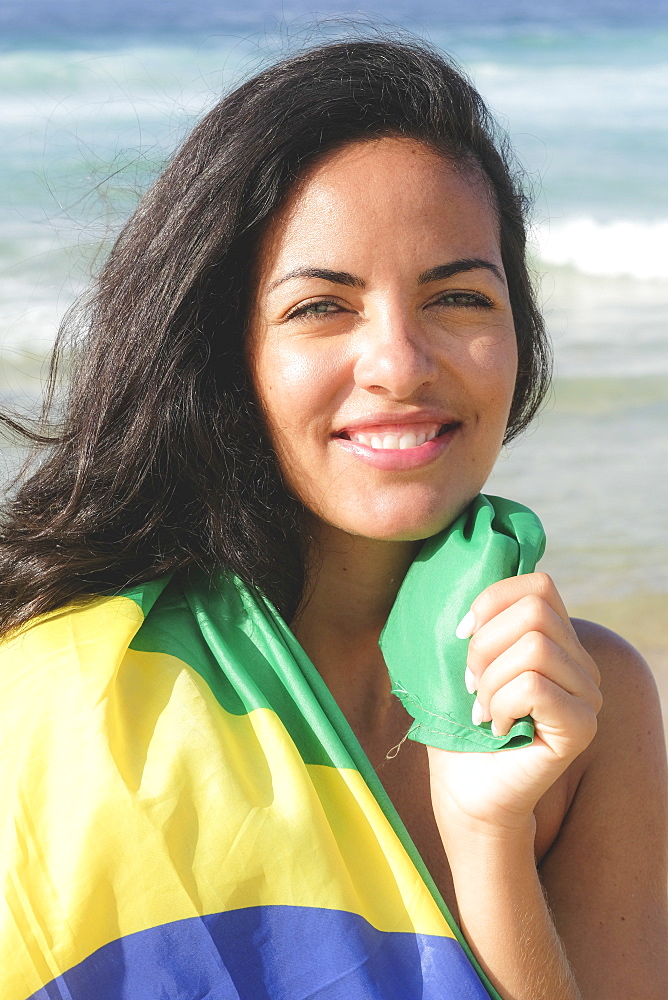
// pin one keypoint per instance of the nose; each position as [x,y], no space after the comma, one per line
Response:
[395,356]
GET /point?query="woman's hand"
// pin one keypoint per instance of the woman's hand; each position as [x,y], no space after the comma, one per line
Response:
[524,658]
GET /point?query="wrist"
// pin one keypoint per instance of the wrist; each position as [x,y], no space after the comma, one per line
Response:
[467,802]
[465,834]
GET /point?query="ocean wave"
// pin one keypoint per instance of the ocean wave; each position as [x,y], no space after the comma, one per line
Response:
[622,248]
[615,97]
[131,82]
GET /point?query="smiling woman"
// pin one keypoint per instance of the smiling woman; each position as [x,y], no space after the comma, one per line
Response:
[303,356]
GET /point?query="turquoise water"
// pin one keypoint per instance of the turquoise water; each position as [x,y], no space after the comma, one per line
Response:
[90,108]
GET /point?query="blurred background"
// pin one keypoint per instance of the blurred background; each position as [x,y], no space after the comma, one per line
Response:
[94,96]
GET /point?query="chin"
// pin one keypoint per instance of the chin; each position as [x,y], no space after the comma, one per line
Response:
[412,534]
[404,515]
[409,528]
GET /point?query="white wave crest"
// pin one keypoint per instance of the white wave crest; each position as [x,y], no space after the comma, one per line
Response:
[636,249]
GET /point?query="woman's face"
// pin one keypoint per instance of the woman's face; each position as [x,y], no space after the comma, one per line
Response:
[381,342]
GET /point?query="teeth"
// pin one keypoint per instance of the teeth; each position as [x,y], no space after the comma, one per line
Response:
[394,441]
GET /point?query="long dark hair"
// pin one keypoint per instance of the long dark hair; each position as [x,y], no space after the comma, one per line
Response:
[162,462]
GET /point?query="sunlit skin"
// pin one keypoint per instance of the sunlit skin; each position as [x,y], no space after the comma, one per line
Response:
[381,313]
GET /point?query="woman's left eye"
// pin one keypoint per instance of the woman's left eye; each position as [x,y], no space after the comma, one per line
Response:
[475,300]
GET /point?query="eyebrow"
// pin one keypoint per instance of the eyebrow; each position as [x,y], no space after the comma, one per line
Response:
[437,273]
[337,277]
[457,267]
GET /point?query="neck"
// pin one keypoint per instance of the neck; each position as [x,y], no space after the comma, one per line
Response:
[352,583]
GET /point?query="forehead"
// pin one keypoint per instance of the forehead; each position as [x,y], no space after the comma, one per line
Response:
[369,196]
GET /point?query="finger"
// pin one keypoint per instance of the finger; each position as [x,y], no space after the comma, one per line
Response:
[535,653]
[501,595]
[561,720]
[530,614]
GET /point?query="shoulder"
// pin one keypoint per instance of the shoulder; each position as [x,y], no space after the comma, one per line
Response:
[629,747]
[606,872]
[630,695]
[623,774]
[609,646]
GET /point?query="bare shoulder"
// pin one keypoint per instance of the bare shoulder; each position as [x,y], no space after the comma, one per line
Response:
[628,753]
[630,695]
[610,647]
[605,874]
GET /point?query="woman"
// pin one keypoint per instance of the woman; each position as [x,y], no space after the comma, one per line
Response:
[304,354]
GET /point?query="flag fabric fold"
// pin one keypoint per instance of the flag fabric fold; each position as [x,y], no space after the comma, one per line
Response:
[493,539]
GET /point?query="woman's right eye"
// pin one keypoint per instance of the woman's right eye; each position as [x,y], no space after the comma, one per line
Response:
[319,308]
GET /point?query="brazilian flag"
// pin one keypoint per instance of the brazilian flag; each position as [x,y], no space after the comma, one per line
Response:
[185,813]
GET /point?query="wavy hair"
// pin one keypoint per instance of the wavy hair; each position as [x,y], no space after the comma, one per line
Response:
[162,461]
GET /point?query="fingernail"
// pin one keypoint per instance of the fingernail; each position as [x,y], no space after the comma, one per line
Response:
[465,628]
[469,680]
[476,713]
[495,731]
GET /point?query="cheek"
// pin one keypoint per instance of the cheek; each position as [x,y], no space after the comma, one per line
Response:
[491,371]
[295,386]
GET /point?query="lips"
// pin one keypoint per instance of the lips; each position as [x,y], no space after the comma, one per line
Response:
[404,436]
[391,447]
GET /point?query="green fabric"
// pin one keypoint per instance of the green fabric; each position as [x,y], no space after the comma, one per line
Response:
[492,540]
[239,644]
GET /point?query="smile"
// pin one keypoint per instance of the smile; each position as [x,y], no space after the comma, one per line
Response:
[394,441]
[396,437]
[396,447]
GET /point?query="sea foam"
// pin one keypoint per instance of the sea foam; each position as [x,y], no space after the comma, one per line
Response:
[624,247]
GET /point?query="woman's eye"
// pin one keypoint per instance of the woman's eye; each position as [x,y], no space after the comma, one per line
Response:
[322,308]
[466,299]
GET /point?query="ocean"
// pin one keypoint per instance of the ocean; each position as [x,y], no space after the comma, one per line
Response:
[94,97]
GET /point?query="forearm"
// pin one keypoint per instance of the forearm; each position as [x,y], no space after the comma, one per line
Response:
[504,916]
